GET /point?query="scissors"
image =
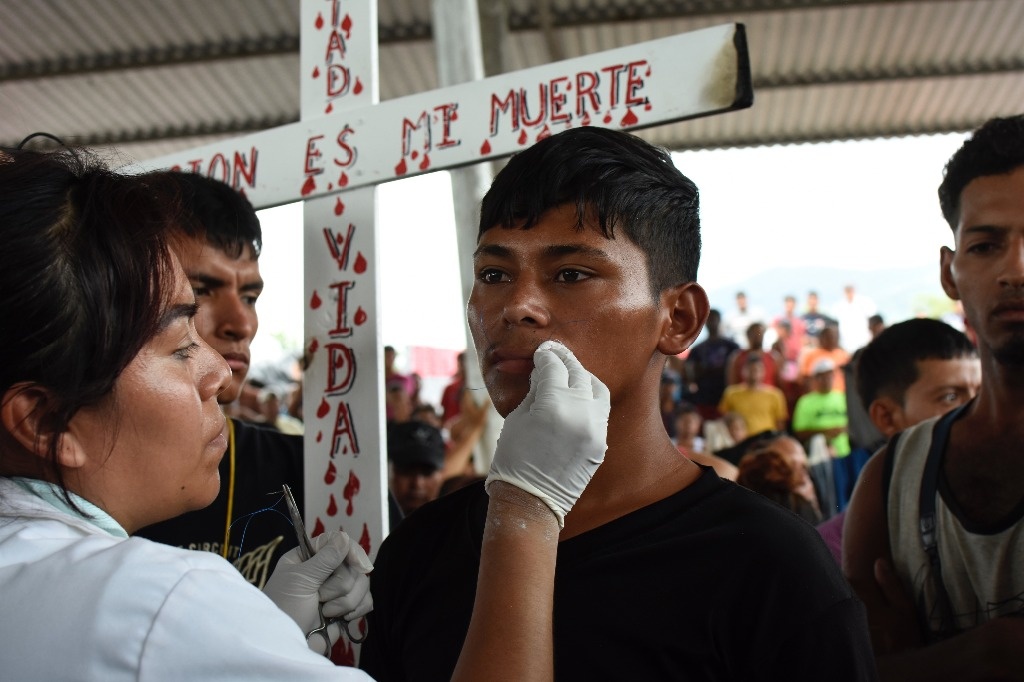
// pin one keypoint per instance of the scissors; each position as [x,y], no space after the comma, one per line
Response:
[306,551]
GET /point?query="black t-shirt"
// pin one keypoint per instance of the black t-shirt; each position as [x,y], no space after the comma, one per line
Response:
[711,583]
[265,459]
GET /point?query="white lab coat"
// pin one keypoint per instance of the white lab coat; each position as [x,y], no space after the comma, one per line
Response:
[78,603]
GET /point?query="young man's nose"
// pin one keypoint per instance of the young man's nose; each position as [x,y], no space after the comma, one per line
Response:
[1012,268]
[525,305]
[236,319]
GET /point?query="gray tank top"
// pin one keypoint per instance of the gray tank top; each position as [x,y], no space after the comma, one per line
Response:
[982,569]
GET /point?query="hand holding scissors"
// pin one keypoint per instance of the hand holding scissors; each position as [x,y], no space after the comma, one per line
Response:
[322,583]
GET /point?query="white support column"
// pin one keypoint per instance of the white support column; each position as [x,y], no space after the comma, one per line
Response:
[460,60]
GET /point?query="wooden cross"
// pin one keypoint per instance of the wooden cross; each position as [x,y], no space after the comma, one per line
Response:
[347,143]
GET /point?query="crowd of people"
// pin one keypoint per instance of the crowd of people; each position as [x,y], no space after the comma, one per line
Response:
[812,496]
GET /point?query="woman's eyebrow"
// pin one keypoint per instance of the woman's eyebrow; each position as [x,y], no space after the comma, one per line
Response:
[176,312]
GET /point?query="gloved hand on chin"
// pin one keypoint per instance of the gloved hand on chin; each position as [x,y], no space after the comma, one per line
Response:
[335,576]
[553,442]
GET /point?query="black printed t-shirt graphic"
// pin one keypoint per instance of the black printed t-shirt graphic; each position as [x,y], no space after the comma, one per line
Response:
[712,583]
[265,459]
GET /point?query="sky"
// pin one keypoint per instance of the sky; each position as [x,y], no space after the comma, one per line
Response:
[865,205]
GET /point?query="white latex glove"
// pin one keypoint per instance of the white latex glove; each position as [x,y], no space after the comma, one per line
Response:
[553,442]
[336,576]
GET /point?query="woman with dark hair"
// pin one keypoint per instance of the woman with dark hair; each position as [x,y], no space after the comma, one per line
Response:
[109,422]
[778,470]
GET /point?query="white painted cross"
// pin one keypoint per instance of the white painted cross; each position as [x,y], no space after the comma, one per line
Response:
[346,143]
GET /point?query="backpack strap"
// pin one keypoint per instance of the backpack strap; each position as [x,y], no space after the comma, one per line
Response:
[928,525]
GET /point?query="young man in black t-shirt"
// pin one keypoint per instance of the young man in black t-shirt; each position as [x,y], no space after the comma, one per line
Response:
[664,571]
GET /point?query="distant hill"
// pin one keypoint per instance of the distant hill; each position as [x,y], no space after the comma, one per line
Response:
[899,293]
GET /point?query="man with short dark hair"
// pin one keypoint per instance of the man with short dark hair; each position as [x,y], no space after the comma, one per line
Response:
[591,237]
[934,539]
[912,371]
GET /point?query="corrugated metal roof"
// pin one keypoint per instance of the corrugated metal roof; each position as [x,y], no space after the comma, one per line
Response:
[157,76]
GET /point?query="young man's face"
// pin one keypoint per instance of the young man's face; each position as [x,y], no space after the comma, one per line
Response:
[414,485]
[941,385]
[226,290]
[986,272]
[554,282]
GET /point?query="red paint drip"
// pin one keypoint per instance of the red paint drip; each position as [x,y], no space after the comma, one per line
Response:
[360,266]
[332,473]
[324,408]
[485,148]
[415,154]
[545,132]
[343,653]
[629,119]
[647,106]
[364,539]
[351,490]
[319,23]
[314,301]
[339,208]
[608,117]
[332,507]
[313,345]
[401,168]
[358,87]
[586,118]
[648,74]
[360,317]
[308,186]
[343,180]
[330,108]
[316,72]
[318,527]
[425,163]
[522,137]
[346,26]
[319,436]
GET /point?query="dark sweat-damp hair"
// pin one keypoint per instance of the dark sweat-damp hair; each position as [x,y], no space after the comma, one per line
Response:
[85,272]
[615,179]
[213,211]
[888,365]
[997,147]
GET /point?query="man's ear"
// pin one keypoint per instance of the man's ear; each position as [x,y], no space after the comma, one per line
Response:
[686,309]
[23,412]
[946,272]
[887,415]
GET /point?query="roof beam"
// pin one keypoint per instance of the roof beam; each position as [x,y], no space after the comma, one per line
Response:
[544,15]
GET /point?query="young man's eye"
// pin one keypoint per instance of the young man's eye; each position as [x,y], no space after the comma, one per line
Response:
[570,275]
[981,247]
[250,300]
[186,352]
[200,291]
[491,276]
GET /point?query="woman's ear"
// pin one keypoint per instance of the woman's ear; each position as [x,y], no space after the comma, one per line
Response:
[23,413]
[686,307]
